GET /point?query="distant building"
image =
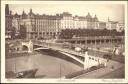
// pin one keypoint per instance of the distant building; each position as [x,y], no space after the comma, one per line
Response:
[28,21]
[16,22]
[102,25]
[40,26]
[111,25]
[66,21]
[8,22]
[47,26]
[50,26]
[92,22]
[75,22]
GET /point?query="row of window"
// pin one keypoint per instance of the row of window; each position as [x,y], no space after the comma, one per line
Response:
[65,22]
[47,21]
[47,33]
[47,29]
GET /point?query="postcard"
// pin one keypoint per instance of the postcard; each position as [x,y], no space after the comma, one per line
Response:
[64,42]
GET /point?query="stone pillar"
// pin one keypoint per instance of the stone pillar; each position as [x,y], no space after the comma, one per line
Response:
[86,60]
[30,46]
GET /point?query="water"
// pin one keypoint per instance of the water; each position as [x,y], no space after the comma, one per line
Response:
[48,66]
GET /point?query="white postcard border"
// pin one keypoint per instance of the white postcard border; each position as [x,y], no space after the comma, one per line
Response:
[60,80]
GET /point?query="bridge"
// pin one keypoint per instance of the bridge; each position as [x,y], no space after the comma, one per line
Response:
[88,61]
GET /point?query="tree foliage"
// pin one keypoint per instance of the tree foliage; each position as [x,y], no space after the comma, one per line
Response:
[69,33]
[13,32]
[22,31]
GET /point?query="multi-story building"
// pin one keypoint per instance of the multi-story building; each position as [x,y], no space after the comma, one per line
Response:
[110,25]
[40,26]
[66,20]
[50,26]
[47,26]
[8,22]
[92,22]
[28,21]
[75,22]
[16,22]
[102,25]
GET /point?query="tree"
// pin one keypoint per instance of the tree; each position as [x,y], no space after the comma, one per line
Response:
[13,32]
[69,33]
[22,31]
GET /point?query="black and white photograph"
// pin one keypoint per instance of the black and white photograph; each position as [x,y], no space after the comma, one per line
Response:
[63,40]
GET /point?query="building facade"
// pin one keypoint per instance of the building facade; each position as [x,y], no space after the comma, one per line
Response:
[47,26]
[8,22]
[110,25]
[50,26]
[78,22]
[16,22]
[102,25]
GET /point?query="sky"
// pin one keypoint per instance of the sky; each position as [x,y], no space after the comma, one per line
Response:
[115,12]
